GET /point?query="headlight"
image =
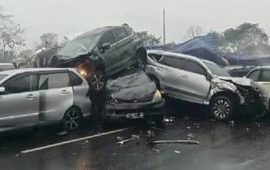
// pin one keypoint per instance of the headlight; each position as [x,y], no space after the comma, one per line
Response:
[157,97]
[83,72]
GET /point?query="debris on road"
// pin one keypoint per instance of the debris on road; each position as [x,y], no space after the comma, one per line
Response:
[177,152]
[156,150]
[192,142]
[150,134]
[191,136]
[168,120]
[188,127]
[135,138]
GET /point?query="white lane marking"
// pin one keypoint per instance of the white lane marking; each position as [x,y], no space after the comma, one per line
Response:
[72,141]
[19,116]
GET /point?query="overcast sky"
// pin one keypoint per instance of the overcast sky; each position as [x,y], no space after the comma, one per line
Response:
[72,16]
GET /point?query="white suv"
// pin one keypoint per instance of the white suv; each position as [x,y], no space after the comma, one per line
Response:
[199,81]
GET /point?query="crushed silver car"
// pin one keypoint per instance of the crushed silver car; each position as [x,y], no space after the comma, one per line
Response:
[134,96]
[261,76]
[199,81]
[31,97]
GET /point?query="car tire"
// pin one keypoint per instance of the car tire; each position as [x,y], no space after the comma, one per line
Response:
[222,108]
[98,81]
[72,119]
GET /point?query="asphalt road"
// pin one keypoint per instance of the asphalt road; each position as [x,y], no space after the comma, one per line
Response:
[241,144]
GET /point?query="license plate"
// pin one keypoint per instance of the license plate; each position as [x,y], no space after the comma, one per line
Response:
[135,115]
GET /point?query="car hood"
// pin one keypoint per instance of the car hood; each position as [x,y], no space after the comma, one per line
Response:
[238,81]
[132,87]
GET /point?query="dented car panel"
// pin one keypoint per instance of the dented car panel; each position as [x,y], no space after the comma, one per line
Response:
[133,96]
[260,75]
[176,80]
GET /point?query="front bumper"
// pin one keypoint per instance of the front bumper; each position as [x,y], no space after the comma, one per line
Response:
[134,110]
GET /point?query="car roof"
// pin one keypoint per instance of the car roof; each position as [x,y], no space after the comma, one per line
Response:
[25,70]
[180,55]
[263,67]
[6,64]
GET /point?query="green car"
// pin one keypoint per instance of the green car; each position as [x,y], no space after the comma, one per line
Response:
[101,53]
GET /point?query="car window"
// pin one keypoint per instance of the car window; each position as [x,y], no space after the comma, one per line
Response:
[107,38]
[119,34]
[254,75]
[265,75]
[19,84]
[173,62]
[194,68]
[74,79]
[53,81]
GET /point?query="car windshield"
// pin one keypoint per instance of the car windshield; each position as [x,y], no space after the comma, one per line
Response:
[2,76]
[216,70]
[80,45]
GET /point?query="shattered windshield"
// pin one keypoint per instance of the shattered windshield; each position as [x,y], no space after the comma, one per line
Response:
[216,70]
[133,80]
[80,45]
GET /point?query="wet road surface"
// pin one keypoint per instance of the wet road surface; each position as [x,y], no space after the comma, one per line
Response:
[241,144]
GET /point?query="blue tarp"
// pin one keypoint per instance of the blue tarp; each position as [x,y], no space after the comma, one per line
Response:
[204,47]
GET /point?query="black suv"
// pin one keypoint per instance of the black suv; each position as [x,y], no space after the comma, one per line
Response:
[101,52]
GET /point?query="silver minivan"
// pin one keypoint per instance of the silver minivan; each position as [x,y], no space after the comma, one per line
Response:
[40,96]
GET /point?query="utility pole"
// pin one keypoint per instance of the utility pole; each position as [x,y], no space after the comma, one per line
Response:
[164,23]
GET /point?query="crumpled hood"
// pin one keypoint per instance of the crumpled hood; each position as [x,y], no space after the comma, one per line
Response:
[135,93]
[238,81]
[136,86]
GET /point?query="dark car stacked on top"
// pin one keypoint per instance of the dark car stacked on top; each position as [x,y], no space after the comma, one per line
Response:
[100,53]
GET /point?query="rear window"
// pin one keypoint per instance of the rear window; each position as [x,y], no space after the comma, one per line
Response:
[265,75]
[74,79]
[53,81]
[173,62]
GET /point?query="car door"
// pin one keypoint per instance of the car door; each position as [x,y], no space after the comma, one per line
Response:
[56,95]
[169,71]
[109,55]
[194,84]
[20,103]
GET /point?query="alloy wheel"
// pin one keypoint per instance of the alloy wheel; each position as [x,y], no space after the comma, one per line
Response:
[222,109]
[72,119]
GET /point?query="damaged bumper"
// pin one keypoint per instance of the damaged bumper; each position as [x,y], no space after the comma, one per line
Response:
[134,110]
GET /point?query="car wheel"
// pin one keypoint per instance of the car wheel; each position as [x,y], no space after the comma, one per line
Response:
[221,108]
[72,119]
[98,81]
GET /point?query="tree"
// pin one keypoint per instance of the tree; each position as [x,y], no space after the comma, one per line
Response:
[148,39]
[245,38]
[194,31]
[48,40]
[11,36]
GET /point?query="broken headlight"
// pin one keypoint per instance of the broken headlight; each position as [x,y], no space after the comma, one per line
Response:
[157,97]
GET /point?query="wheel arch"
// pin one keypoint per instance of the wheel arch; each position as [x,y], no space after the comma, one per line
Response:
[230,94]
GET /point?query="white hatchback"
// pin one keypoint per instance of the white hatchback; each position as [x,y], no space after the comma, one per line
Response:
[40,96]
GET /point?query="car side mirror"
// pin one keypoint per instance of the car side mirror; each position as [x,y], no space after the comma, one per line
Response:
[2,90]
[208,77]
[105,46]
